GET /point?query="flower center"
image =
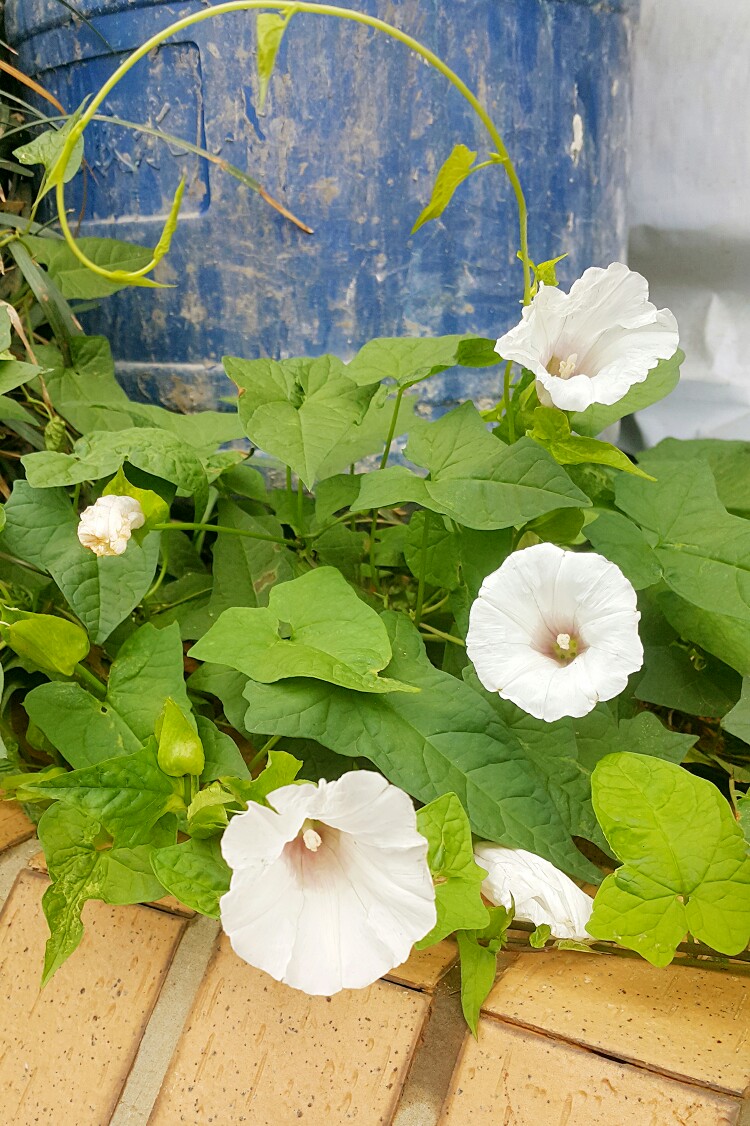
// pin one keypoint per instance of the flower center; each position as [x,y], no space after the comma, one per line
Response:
[311,839]
[563,369]
[565,648]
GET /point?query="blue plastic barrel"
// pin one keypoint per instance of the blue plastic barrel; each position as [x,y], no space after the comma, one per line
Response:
[354,131]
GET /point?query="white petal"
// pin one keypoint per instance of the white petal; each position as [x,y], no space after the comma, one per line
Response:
[344,914]
[540,892]
[522,607]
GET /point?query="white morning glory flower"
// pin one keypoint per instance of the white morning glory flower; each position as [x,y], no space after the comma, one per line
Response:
[555,631]
[105,526]
[330,888]
[592,344]
[539,891]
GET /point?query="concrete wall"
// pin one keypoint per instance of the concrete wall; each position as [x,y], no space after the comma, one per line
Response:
[690,204]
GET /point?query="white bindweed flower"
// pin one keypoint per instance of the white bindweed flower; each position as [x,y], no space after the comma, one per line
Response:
[555,631]
[330,888]
[539,892]
[592,344]
[105,527]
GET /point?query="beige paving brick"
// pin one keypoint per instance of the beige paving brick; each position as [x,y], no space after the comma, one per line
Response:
[14,825]
[690,1023]
[425,968]
[68,1049]
[254,1051]
[511,1077]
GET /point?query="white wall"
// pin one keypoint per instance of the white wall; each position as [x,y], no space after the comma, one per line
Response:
[690,204]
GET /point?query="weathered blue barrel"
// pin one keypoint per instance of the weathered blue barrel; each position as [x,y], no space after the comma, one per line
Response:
[354,131]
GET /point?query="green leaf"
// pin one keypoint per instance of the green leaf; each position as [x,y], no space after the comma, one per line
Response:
[452,173]
[743,809]
[127,794]
[207,813]
[246,569]
[723,636]
[443,739]
[14,373]
[685,861]
[85,730]
[315,626]
[226,684]
[474,478]
[99,454]
[148,669]
[82,869]
[678,676]
[441,551]
[368,436]
[478,970]
[622,541]
[729,463]
[41,529]
[458,878]
[76,281]
[299,409]
[702,550]
[270,30]
[737,721]
[659,383]
[404,359]
[223,757]
[552,431]
[54,644]
[46,149]
[195,873]
[540,936]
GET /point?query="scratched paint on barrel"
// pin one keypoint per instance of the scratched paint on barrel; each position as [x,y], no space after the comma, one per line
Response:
[355,130]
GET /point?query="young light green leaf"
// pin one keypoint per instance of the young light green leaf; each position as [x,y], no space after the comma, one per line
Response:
[280,770]
[540,936]
[154,508]
[458,878]
[207,813]
[127,795]
[195,873]
[270,29]
[298,409]
[46,149]
[659,383]
[454,170]
[685,862]
[444,738]
[551,430]
[478,951]
[53,644]
[314,626]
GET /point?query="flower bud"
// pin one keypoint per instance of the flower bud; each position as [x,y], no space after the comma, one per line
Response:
[105,527]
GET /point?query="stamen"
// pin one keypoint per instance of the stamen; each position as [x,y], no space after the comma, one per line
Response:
[312,840]
[563,640]
[568,367]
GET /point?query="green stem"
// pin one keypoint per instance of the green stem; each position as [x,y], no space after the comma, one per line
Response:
[392,428]
[285,6]
[162,573]
[439,633]
[508,401]
[434,606]
[300,506]
[76,496]
[263,752]
[186,526]
[422,568]
[85,677]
